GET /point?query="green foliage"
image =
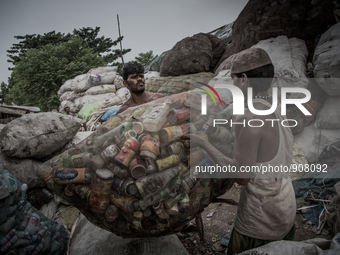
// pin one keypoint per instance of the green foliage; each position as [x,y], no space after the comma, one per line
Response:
[3,92]
[145,58]
[100,45]
[40,72]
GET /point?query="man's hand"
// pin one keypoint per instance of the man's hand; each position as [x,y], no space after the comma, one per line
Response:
[192,140]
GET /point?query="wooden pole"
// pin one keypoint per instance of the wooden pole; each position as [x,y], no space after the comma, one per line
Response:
[120,42]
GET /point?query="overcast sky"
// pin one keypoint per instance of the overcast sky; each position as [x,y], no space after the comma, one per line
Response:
[145,24]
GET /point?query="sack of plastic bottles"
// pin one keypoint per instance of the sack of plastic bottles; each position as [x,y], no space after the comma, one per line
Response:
[131,176]
[23,229]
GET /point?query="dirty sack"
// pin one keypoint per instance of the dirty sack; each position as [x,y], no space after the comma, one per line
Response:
[23,229]
[87,238]
[199,53]
[38,135]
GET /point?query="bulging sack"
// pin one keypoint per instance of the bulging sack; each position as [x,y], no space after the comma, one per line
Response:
[38,135]
[23,229]
[131,176]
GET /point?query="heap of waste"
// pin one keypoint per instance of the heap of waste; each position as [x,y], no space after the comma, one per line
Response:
[131,176]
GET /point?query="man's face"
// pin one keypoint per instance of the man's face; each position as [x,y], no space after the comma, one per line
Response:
[135,83]
[67,110]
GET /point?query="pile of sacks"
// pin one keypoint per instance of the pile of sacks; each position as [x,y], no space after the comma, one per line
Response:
[131,176]
[99,89]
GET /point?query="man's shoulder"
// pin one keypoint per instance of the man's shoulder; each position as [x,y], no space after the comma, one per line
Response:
[154,95]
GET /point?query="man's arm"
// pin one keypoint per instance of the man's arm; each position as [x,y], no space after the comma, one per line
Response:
[122,108]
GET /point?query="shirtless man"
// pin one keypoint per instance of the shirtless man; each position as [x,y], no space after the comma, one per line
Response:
[267,206]
[133,79]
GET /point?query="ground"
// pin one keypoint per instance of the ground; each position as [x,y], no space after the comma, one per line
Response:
[218,220]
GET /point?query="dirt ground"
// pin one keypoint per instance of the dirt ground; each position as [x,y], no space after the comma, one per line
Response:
[218,220]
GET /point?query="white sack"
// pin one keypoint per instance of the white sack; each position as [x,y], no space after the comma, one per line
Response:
[25,170]
[88,99]
[329,115]
[67,86]
[313,140]
[82,85]
[65,96]
[38,135]
[87,238]
[289,59]
[103,69]
[122,91]
[101,89]
[119,82]
[326,61]
[99,79]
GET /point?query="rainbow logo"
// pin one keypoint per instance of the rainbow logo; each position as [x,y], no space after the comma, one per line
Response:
[208,92]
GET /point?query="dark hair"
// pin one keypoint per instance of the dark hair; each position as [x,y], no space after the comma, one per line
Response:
[264,75]
[131,68]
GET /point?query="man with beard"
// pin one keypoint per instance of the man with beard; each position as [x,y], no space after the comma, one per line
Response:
[133,79]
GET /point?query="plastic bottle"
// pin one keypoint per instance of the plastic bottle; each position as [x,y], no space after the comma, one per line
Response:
[127,204]
[110,152]
[101,191]
[150,184]
[125,187]
[154,198]
[178,116]
[168,162]
[128,151]
[149,147]
[111,213]
[160,212]
[184,204]
[155,120]
[33,223]
[97,162]
[79,160]
[137,168]
[173,133]
[188,183]
[73,175]
[137,221]
[226,113]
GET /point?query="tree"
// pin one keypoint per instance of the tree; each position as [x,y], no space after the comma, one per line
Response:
[39,73]
[3,92]
[145,58]
[101,45]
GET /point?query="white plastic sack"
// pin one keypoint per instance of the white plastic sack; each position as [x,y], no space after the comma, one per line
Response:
[99,79]
[89,99]
[313,140]
[80,136]
[103,69]
[289,59]
[25,170]
[317,246]
[82,85]
[87,238]
[119,82]
[326,61]
[65,96]
[67,86]
[122,91]
[329,115]
[101,89]
[38,135]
